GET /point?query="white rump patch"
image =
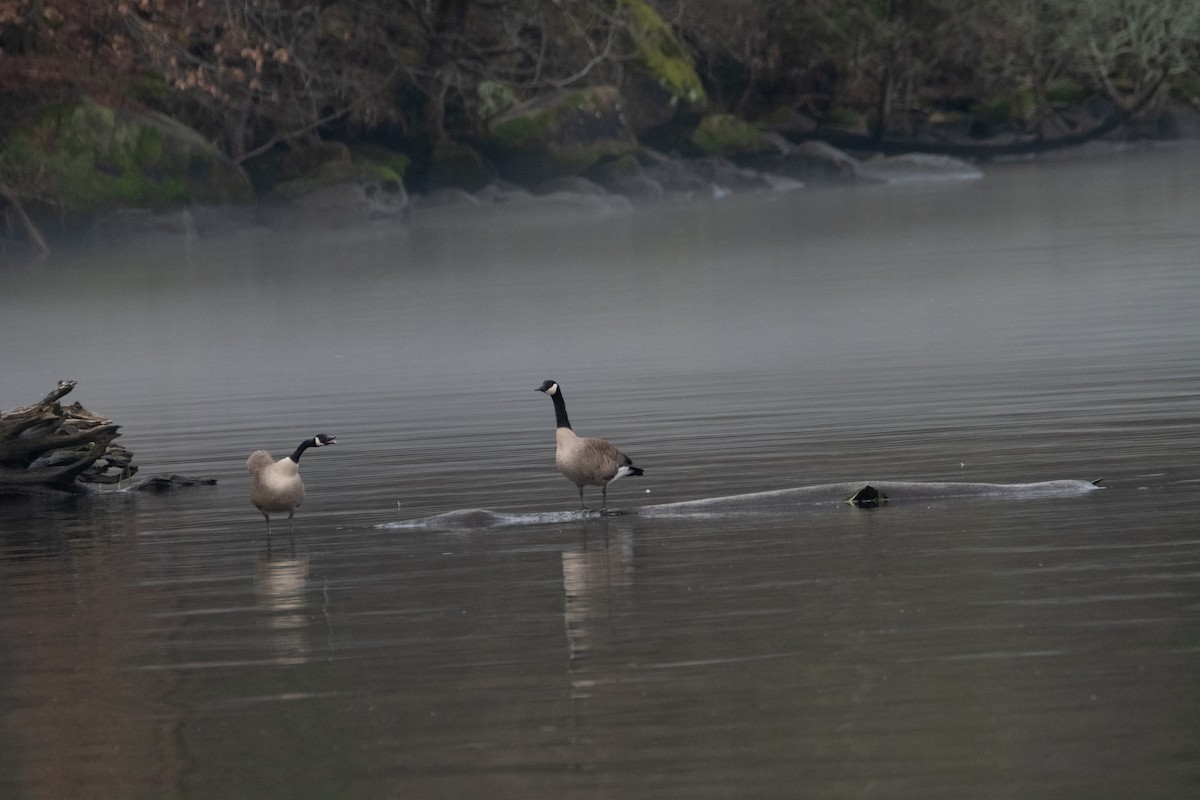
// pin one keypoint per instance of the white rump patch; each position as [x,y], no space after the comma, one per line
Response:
[622,472]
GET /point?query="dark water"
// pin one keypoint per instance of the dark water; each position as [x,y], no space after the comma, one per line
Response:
[1037,325]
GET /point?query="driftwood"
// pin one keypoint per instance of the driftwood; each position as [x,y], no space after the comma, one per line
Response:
[65,448]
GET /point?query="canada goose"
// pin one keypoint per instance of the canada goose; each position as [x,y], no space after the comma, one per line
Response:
[276,486]
[585,461]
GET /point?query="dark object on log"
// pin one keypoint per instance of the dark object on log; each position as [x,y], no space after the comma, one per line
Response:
[867,497]
[49,446]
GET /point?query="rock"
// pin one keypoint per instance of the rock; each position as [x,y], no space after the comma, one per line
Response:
[304,160]
[787,121]
[724,177]
[654,176]
[676,176]
[83,157]
[508,204]
[443,198]
[782,183]
[337,193]
[812,162]
[502,193]
[563,133]
[572,204]
[453,165]
[730,137]
[166,483]
[917,168]
[188,223]
[659,79]
[126,221]
[573,184]
[626,176]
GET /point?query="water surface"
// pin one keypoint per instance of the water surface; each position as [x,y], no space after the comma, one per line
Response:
[1036,325]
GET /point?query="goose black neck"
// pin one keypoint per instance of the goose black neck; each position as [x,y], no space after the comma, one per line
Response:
[295,456]
[560,410]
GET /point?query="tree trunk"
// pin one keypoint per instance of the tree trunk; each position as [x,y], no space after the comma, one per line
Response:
[49,446]
[31,230]
[447,27]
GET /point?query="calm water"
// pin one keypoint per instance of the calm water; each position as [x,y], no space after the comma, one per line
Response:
[1039,324]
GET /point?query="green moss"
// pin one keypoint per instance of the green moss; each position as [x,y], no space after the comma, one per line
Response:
[1185,87]
[559,134]
[538,121]
[331,173]
[520,131]
[1018,104]
[456,165]
[725,134]
[386,161]
[660,53]
[87,157]
[843,117]
[149,149]
[1067,92]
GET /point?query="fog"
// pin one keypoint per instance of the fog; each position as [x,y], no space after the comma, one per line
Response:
[1035,325]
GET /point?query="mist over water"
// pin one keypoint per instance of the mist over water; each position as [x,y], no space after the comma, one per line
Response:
[1036,325]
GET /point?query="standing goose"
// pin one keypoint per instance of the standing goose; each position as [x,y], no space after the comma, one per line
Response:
[276,486]
[585,461]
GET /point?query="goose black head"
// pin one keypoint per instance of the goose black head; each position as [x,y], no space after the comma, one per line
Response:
[322,439]
[549,387]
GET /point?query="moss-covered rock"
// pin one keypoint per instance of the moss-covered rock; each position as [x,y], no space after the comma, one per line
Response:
[559,134]
[660,78]
[728,136]
[85,157]
[453,165]
[285,163]
[845,119]
[339,192]
[394,161]
[1017,105]
[332,173]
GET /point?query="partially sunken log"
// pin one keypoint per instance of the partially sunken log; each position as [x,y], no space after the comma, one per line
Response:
[49,446]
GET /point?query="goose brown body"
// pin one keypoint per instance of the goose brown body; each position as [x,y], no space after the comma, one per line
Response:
[276,486]
[585,460]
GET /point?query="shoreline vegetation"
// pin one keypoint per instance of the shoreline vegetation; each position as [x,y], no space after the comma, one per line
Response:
[188,114]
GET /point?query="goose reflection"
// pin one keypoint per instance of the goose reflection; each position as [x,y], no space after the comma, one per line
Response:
[280,586]
[595,584]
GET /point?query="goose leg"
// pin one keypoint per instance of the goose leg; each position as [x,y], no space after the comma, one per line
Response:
[581,505]
[604,500]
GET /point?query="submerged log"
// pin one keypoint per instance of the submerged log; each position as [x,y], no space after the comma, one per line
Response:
[66,448]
